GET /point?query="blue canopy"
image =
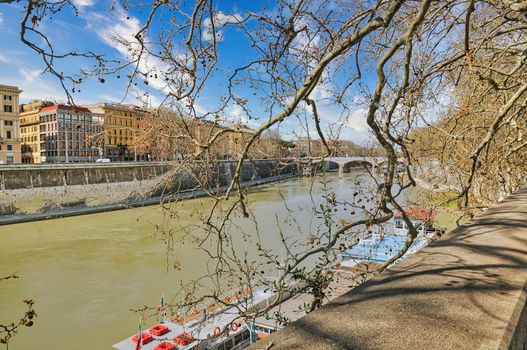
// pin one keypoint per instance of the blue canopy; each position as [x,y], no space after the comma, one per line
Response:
[380,248]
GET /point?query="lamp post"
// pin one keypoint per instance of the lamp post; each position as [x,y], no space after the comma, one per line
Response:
[66,146]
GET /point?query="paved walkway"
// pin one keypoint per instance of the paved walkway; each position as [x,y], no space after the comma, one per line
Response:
[465,291]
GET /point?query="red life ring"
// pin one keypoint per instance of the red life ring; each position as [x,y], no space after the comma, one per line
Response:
[234,326]
[217,331]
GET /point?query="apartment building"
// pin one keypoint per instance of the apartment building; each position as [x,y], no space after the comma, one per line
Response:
[69,134]
[229,145]
[165,135]
[120,129]
[30,131]
[9,125]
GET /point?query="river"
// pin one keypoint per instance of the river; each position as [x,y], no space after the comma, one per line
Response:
[86,272]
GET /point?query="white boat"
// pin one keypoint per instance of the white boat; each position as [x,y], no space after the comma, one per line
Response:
[224,329]
[390,238]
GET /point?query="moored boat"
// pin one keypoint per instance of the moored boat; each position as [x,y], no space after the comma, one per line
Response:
[390,238]
[222,328]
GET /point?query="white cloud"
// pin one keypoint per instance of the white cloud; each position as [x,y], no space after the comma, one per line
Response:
[322,91]
[1,19]
[4,59]
[137,95]
[118,31]
[238,115]
[220,20]
[357,120]
[358,100]
[115,30]
[34,86]
[30,75]
[83,3]
[308,37]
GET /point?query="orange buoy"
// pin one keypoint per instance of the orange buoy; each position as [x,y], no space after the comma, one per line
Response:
[217,331]
[234,326]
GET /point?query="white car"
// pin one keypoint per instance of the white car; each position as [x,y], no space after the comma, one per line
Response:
[103,160]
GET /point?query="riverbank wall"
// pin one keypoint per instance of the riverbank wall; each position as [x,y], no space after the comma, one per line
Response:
[42,192]
[126,204]
[15,177]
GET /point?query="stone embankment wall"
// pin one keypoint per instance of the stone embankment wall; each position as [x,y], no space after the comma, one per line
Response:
[51,175]
[217,175]
[31,188]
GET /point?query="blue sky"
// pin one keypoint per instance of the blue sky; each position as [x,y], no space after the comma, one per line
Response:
[94,29]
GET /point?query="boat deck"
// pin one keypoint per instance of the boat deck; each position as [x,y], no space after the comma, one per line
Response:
[199,330]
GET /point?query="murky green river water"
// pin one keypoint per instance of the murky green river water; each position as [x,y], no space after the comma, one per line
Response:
[87,272]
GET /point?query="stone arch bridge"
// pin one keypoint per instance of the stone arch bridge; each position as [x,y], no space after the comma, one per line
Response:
[344,164]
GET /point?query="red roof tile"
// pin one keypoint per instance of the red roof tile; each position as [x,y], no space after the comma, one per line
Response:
[69,108]
[423,214]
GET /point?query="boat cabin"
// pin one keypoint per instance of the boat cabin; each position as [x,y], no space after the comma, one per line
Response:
[421,218]
[389,239]
[238,340]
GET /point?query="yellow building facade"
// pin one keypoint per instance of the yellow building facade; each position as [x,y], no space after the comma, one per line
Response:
[9,125]
[30,131]
[120,129]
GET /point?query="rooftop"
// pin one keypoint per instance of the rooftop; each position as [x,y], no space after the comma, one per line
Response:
[10,87]
[423,214]
[69,108]
[113,105]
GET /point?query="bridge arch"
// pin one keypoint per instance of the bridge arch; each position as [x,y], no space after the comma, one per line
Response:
[326,165]
[345,167]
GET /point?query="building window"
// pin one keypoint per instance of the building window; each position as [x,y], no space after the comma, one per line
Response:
[8,122]
[9,147]
[8,98]
[8,134]
[398,223]
[8,108]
